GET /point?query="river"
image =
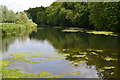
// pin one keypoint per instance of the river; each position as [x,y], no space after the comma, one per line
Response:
[73,55]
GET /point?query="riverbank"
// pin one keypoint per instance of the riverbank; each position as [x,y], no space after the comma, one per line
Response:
[71,29]
[7,25]
[14,29]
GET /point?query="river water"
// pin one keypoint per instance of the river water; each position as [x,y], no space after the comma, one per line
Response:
[73,55]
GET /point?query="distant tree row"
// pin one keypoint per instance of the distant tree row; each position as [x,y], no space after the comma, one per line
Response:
[8,16]
[97,15]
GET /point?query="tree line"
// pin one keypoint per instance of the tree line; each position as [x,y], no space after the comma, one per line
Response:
[8,16]
[93,15]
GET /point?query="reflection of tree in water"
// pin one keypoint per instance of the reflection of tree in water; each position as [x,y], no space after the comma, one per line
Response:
[5,43]
[106,63]
[9,37]
[96,50]
[81,41]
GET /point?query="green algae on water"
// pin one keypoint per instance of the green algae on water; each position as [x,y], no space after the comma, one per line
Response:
[72,73]
[15,73]
[21,57]
[53,57]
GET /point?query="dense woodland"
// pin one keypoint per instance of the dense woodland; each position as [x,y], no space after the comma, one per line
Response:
[96,16]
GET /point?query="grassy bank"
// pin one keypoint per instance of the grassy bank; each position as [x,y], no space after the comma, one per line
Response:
[13,29]
[17,25]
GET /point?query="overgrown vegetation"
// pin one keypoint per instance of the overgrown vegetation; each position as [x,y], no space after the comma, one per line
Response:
[8,16]
[98,16]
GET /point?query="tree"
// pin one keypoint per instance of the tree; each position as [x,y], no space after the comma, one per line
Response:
[41,18]
[33,12]
[81,14]
[105,16]
[97,16]
[63,19]
[22,18]
[1,19]
[7,15]
[52,13]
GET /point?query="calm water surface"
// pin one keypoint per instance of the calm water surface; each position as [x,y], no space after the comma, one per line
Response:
[74,55]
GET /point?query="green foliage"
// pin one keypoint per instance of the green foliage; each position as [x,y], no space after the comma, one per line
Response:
[53,13]
[32,12]
[63,20]
[7,15]
[64,14]
[9,29]
[105,16]
[22,18]
[9,32]
[81,15]
[97,16]
[41,18]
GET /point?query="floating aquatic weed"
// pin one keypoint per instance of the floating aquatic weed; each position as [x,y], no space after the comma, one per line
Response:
[82,53]
[5,63]
[44,74]
[72,73]
[101,70]
[79,55]
[110,59]
[15,73]
[34,56]
[21,57]
[94,53]
[94,50]
[110,67]
[102,32]
[53,57]
[9,73]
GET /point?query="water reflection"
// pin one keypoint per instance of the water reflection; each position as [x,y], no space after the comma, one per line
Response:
[96,50]
[9,37]
[81,41]
[92,55]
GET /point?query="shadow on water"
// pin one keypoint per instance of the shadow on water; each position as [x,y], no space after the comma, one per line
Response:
[98,52]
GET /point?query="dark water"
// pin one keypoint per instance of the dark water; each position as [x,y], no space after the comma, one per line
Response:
[91,56]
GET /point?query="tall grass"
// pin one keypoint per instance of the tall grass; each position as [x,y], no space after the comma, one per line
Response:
[12,29]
